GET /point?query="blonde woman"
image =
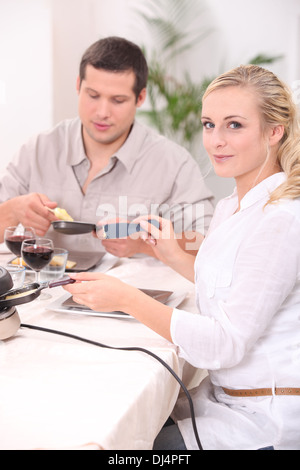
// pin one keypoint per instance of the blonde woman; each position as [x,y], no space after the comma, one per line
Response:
[247,276]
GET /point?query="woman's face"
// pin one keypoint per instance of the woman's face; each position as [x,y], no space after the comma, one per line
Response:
[234,139]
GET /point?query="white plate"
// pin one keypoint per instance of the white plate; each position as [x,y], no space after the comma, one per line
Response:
[57,306]
[176,299]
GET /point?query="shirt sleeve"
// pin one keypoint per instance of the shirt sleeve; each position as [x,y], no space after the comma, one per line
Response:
[15,180]
[265,272]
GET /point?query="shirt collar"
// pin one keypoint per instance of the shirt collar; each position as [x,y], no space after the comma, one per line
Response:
[263,190]
[77,151]
[127,154]
[259,192]
[131,149]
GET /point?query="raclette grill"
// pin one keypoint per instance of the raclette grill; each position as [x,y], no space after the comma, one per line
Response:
[10,298]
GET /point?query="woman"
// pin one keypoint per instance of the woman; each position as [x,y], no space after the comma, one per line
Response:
[247,274]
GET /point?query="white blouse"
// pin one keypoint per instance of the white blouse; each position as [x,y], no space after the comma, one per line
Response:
[247,335]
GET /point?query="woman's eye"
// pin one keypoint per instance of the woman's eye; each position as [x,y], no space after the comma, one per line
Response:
[208,125]
[235,125]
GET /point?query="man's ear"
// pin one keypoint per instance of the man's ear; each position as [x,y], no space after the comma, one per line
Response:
[141,98]
[78,84]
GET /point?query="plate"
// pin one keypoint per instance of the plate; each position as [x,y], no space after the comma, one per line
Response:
[73,228]
[84,260]
[176,299]
[65,304]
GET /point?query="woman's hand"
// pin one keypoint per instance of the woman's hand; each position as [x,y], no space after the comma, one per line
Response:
[162,240]
[105,293]
[166,246]
[102,292]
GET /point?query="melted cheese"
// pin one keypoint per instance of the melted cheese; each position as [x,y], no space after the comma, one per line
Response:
[62,214]
[21,294]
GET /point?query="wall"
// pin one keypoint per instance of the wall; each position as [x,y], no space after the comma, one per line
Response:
[73,31]
[41,43]
[26,102]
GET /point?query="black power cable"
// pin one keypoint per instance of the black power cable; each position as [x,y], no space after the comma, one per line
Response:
[133,348]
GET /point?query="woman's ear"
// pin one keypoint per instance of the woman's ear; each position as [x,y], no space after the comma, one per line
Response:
[276,134]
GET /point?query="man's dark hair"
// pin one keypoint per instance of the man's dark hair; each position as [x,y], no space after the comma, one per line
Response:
[117,55]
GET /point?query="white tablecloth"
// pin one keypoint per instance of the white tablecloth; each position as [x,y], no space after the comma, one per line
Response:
[59,393]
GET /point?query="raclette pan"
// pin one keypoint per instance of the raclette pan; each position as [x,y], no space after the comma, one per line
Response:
[73,228]
[29,292]
[109,231]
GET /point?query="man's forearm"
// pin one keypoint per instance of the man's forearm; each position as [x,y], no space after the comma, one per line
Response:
[7,217]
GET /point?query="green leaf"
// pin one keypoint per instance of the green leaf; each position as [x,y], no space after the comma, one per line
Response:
[261,59]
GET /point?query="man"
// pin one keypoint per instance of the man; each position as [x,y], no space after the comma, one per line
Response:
[104,164]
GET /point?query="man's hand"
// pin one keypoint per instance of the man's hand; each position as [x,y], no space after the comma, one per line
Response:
[126,247]
[31,210]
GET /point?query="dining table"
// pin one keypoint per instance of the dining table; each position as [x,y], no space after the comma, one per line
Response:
[78,379]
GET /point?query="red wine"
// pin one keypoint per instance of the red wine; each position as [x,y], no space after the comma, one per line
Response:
[14,243]
[37,257]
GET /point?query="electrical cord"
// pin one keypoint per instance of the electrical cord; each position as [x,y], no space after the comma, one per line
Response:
[133,348]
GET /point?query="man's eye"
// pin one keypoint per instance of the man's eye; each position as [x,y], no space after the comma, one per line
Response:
[119,101]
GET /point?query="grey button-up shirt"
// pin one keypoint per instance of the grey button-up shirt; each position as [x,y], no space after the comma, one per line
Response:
[149,174]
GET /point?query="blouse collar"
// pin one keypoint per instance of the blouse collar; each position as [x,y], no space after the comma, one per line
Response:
[263,190]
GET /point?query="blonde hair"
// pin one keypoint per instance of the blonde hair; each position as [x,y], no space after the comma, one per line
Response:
[277,108]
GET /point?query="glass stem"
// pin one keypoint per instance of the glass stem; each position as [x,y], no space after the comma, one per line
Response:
[37,277]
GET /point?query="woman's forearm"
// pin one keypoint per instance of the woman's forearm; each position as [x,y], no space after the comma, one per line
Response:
[149,311]
[183,263]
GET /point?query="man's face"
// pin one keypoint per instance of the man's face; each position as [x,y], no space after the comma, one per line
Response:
[107,105]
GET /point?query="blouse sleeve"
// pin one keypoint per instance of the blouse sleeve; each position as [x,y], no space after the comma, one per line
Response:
[265,272]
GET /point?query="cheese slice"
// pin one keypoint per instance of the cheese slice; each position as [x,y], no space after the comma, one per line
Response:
[62,214]
[16,261]
[70,264]
[56,261]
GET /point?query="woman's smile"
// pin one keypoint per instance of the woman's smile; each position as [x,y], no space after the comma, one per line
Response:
[222,158]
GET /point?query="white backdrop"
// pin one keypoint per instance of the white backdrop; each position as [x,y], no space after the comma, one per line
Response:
[26,103]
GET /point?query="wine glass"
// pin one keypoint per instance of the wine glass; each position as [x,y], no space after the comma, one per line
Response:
[14,236]
[37,253]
